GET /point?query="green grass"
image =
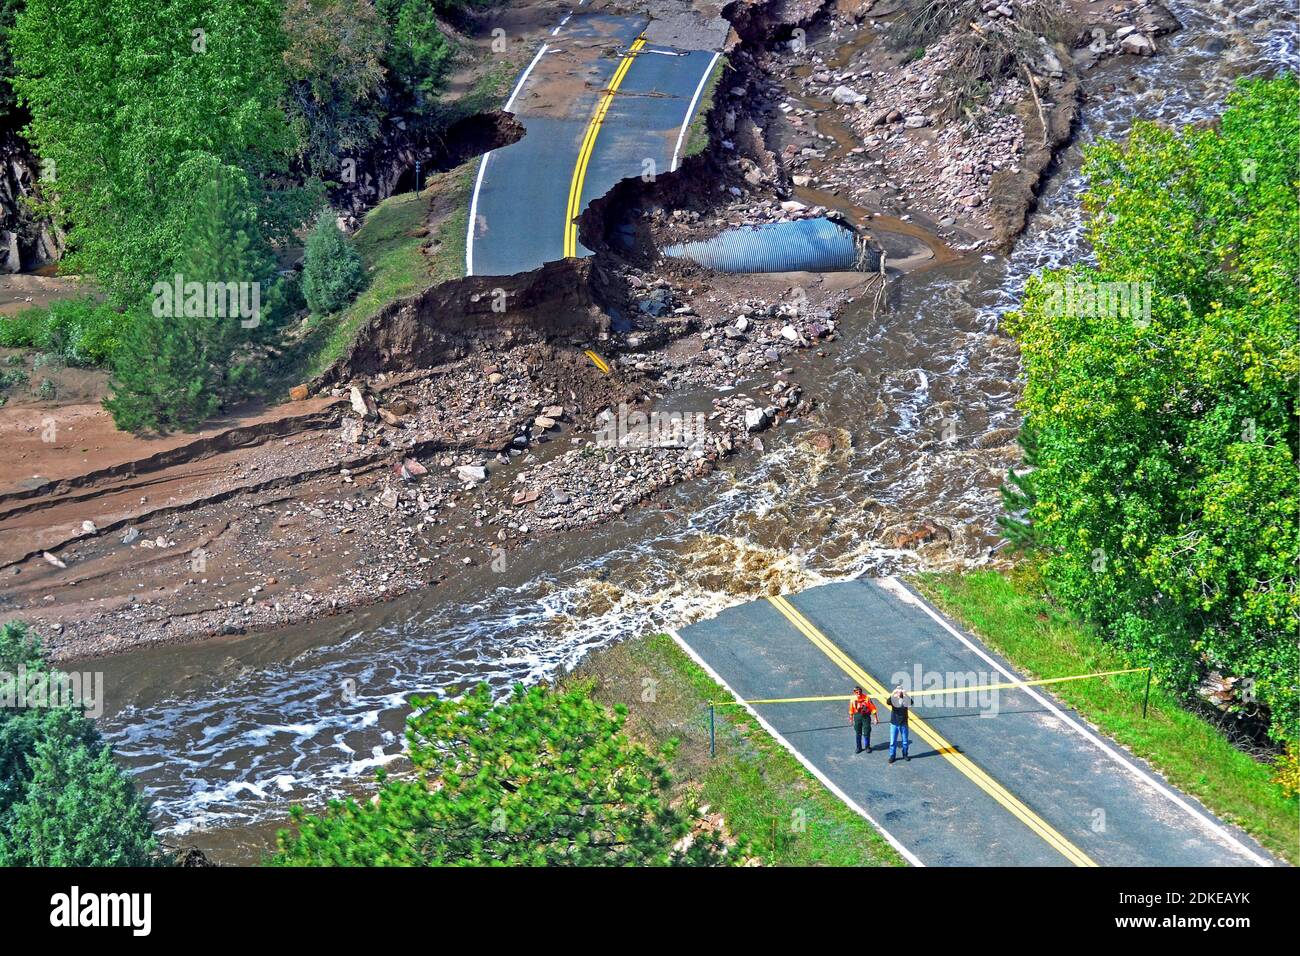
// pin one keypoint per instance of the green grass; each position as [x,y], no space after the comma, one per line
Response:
[765,796]
[1012,614]
[697,135]
[493,88]
[447,260]
[390,243]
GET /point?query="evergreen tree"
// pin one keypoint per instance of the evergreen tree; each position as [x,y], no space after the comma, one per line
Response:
[79,809]
[542,779]
[332,271]
[180,361]
[63,801]
[162,379]
[1018,495]
[418,51]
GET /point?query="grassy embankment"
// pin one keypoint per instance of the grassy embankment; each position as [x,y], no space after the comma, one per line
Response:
[390,242]
[765,796]
[391,238]
[697,134]
[1013,615]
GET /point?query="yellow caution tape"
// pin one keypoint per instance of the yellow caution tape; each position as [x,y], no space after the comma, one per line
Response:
[596,360]
[938,691]
[923,730]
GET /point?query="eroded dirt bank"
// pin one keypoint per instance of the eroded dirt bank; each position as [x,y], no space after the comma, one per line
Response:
[471,419]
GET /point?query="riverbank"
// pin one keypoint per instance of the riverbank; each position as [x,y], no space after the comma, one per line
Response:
[1012,613]
[753,786]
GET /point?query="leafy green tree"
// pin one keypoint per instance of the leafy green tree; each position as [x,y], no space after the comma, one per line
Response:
[132,103]
[8,14]
[63,802]
[335,63]
[543,778]
[332,271]
[1166,492]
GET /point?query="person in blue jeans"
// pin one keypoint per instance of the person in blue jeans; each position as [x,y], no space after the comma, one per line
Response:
[899,704]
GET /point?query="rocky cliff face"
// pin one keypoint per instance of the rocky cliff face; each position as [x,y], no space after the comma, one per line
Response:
[26,242]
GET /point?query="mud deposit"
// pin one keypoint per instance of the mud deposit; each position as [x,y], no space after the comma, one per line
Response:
[894,464]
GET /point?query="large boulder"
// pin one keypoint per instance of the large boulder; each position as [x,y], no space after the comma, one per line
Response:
[1137,45]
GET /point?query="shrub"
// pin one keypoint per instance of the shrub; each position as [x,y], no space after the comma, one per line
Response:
[11,377]
[1286,769]
[332,272]
[25,330]
[80,332]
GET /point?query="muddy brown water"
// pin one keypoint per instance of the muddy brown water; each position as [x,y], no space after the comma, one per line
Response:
[917,424]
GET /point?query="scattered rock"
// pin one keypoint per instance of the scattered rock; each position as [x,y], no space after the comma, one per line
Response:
[1137,45]
[756,419]
[363,403]
[352,431]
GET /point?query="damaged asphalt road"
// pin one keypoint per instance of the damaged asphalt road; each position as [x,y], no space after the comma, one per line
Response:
[595,111]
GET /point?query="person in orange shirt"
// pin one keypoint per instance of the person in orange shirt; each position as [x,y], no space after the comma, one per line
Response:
[862,712]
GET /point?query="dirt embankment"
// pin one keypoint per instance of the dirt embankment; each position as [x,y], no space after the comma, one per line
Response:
[935,151]
[485,414]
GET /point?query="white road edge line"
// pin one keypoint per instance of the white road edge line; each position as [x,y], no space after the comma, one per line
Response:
[892,584]
[690,110]
[807,764]
[482,167]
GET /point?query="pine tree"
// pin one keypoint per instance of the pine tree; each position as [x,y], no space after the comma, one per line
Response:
[332,271]
[63,801]
[1018,495]
[179,362]
[79,809]
[544,778]
[162,379]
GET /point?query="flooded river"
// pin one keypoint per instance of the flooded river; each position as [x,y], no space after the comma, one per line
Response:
[916,424]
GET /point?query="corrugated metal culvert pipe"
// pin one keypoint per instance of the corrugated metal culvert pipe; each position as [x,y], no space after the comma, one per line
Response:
[801,245]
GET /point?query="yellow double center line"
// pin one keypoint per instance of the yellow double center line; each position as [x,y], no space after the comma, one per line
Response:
[588,144]
[934,739]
